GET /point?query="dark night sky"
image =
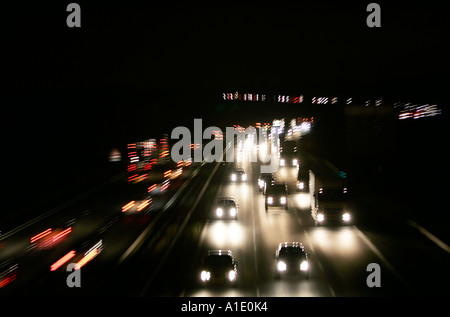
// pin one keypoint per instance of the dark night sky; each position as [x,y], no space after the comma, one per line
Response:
[135,70]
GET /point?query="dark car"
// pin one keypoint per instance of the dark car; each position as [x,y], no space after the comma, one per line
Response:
[219,267]
[291,258]
[226,208]
[276,196]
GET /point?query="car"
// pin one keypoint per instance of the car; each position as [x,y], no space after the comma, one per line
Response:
[238,175]
[219,267]
[276,196]
[226,208]
[291,258]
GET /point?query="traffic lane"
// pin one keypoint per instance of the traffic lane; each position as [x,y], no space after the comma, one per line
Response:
[422,264]
[344,254]
[253,240]
[100,218]
[273,227]
[148,270]
[339,254]
[227,235]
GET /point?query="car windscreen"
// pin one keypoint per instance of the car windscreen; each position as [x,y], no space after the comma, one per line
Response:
[276,190]
[218,262]
[332,195]
[227,203]
[288,252]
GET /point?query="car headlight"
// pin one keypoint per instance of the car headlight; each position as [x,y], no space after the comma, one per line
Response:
[346,216]
[219,212]
[304,266]
[232,212]
[282,162]
[244,177]
[294,162]
[301,185]
[320,217]
[283,200]
[281,266]
[269,200]
[232,275]
[233,177]
[205,276]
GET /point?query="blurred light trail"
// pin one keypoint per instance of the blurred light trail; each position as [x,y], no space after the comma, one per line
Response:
[62,260]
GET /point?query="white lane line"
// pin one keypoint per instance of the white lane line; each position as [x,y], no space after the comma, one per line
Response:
[430,236]
[381,256]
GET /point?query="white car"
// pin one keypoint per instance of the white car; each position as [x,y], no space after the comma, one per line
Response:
[238,175]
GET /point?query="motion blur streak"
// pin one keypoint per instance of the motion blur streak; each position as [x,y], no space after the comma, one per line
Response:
[41,235]
[62,234]
[143,205]
[86,259]
[128,206]
[63,260]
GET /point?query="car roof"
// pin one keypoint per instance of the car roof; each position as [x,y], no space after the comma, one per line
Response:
[293,244]
[226,198]
[220,252]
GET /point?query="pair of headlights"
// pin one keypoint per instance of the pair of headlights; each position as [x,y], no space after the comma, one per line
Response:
[282,200]
[219,212]
[345,217]
[281,266]
[283,162]
[234,177]
[205,276]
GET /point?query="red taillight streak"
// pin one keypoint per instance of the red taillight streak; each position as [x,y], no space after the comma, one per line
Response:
[128,206]
[61,261]
[62,234]
[143,205]
[41,235]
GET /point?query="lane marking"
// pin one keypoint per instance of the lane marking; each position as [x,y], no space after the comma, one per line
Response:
[441,244]
[378,253]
